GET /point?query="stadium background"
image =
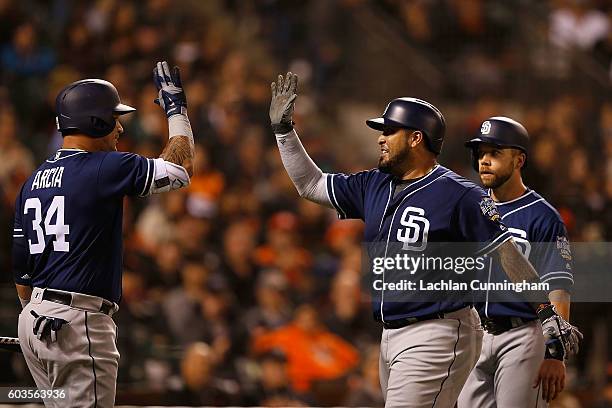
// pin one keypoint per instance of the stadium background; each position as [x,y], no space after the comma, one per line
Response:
[235,290]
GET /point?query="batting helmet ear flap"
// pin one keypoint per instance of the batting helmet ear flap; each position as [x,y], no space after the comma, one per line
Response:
[95,126]
[101,126]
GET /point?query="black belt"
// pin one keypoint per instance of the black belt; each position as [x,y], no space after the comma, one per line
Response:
[66,299]
[407,321]
[499,325]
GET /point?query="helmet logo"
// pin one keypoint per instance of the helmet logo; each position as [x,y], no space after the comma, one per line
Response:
[485,128]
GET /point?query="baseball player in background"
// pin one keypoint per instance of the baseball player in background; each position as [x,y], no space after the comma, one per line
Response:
[515,368]
[67,246]
[428,348]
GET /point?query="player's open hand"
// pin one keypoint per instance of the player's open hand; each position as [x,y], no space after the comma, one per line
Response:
[284,92]
[552,379]
[171,96]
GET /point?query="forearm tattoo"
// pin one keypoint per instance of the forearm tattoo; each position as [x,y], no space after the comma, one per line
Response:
[516,266]
[178,150]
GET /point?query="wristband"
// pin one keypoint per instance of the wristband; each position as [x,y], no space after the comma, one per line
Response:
[282,128]
[179,125]
[554,350]
[546,311]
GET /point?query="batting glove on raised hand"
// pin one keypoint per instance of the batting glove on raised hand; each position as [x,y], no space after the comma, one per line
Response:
[562,339]
[283,100]
[171,96]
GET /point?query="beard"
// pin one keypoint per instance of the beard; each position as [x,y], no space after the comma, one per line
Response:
[392,164]
[496,180]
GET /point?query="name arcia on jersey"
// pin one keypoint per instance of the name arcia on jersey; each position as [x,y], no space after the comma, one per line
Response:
[48,178]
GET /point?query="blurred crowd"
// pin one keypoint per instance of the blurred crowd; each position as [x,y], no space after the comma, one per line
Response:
[235,291]
[541,64]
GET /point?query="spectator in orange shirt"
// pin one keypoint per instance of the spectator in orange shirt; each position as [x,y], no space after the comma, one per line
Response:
[206,185]
[282,251]
[313,353]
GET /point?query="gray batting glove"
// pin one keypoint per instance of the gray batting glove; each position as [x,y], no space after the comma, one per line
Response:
[283,101]
[556,327]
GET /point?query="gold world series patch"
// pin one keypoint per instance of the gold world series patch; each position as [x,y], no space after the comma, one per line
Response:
[489,210]
[563,246]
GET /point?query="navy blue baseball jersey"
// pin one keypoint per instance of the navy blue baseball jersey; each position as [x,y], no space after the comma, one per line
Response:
[68,221]
[540,234]
[441,207]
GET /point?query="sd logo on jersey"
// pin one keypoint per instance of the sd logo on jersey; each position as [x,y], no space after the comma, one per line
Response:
[520,238]
[415,231]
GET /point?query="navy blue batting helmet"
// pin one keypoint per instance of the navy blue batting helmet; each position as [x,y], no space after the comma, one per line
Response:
[502,132]
[413,113]
[88,106]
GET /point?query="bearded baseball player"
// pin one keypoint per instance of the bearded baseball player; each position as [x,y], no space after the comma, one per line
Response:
[516,368]
[67,247]
[428,348]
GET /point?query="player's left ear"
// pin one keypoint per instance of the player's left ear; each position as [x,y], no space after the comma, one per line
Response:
[415,137]
[519,161]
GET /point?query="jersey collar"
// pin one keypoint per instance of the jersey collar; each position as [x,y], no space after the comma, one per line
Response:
[435,173]
[418,179]
[64,153]
[527,193]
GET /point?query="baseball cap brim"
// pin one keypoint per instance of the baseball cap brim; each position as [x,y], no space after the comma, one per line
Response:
[489,140]
[122,109]
[477,140]
[381,123]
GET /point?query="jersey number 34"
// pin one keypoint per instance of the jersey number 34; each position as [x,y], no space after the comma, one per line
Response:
[59,229]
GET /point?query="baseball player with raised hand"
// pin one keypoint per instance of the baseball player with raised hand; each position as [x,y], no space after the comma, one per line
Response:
[428,348]
[67,246]
[516,368]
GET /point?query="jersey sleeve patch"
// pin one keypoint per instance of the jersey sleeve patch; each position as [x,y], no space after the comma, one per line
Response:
[489,210]
[479,221]
[563,246]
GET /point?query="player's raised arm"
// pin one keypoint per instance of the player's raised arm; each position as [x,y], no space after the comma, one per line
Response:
[307,177]
[171,97]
